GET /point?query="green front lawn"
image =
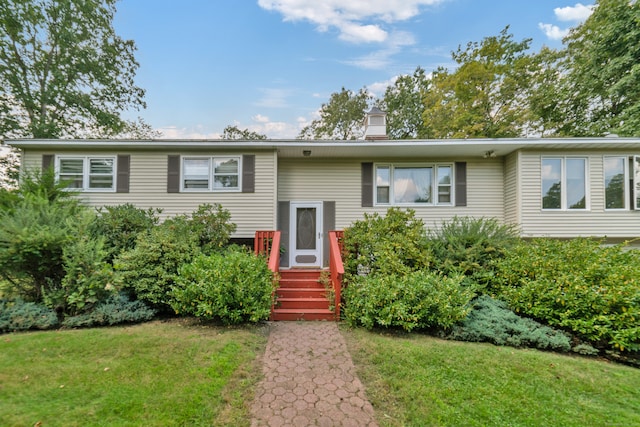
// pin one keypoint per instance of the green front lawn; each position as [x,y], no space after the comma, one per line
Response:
[416,380]
[153,374]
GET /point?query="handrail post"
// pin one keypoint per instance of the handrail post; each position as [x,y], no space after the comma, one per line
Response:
[336,268]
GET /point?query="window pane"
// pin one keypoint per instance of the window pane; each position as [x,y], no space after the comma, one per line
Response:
[382,195]
[382,176]
[71,171]
[225,181]
[576,184]
[444,184]
[101,181]
[551,183]
[225,165]
[196,173]
[636,180]
[101,166]
[412,185]
[614,182]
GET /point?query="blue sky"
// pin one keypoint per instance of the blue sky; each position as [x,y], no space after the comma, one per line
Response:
[268,65]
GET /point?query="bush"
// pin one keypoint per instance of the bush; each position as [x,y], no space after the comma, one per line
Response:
[469,245]
[390,245]
[33,236]
[211,223]
[115,310]
[579,285]
[121,225]
[18,315]
[148,271]
[232,287]
[418,300]
[492,321]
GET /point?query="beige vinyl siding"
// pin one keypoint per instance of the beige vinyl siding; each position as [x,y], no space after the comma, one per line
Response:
[340,181]
[511,188]
[596,221]
[148,189]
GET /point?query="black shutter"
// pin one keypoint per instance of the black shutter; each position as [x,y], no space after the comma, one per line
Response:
[283,226]
[367,185]
[124,164]
[248,173]
[47,161]
[173,174]
[461,183]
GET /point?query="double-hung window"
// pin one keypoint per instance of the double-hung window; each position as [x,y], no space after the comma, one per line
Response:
[615,182]
[87,173]
[219,173]
[414,184]
[564,183]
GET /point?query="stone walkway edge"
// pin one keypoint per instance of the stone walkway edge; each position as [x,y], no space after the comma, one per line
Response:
[309,380]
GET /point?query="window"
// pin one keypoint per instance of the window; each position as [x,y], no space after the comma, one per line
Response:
[87,173]
[564,183]
[211,173]
[414,184]
[615,182]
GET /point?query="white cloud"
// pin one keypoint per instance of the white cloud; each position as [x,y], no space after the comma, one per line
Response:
[381,58]
[352,18]
[174,132]
[378,89]
[577,13]
[273,98]
[553,31]
[574,14]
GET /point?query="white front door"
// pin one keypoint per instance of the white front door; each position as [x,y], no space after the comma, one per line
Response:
[306,234]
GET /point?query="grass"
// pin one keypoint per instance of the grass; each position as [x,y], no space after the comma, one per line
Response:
[159,373]
[415,380]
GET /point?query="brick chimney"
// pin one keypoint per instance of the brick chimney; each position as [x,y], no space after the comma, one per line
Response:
[375,125]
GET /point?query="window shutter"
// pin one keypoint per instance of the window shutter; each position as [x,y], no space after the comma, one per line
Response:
[328,224]
[173,174]
[283,226]
[367,185]
[124,163]
[248,173]
[461,183]
[47,161]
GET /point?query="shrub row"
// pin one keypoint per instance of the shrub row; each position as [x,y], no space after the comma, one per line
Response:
[580,285]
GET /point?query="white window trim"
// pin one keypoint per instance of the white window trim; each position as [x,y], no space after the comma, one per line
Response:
[86,173]
[563,181]
[625,164]
[434,183]
[210,188]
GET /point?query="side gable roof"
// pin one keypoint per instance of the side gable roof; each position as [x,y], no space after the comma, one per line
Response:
[469,148]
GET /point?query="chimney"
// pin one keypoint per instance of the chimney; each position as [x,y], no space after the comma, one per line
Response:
[375,125]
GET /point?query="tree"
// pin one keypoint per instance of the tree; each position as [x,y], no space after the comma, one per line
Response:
[342,118]
[63,69]
[486,96]
[602,61]
[233,132]
[403,103]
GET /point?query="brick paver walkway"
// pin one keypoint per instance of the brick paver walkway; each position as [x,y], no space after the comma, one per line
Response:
[309,380]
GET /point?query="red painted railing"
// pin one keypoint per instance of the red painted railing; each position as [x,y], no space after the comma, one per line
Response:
[268,243]
[336,268]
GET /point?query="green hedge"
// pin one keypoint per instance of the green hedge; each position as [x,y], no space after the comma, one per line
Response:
[418,300]
[232,287]
[578,284]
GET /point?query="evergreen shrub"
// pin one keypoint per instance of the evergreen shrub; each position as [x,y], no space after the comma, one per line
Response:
[232,287]
[492,321]
[115,310]
[418,300]
[18,315]
[577,284]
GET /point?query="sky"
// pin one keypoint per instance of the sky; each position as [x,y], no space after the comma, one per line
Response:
[269,65]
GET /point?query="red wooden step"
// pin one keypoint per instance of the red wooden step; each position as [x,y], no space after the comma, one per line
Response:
[308,314]
[301,293]
[302,303]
